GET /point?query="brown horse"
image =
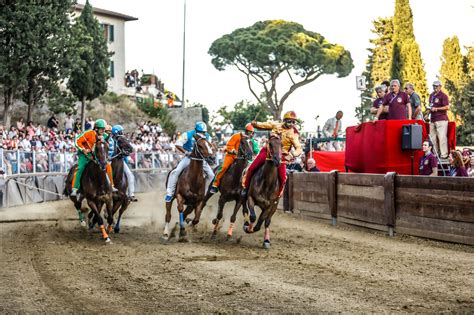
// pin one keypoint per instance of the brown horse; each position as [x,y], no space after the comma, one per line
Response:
[190,188]
[230,187]
[263,191]
[95,188]
[121,201]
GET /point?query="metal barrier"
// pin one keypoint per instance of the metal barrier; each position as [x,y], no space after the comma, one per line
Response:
[20,189]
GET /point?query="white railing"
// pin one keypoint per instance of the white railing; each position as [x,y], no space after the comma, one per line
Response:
[25,162]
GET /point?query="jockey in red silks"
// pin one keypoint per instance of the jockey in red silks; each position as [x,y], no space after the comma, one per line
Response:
[289,139]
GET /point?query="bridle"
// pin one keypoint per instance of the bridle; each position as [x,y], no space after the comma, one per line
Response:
[120,152]
[199,155]
[242,155]
[269,152]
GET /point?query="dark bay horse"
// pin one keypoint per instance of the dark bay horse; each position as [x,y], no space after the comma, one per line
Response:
[95,188]
[263,191]
[230,186]
[190,188]
[121,201]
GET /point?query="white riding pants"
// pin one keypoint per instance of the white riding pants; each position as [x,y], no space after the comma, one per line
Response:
[174,175]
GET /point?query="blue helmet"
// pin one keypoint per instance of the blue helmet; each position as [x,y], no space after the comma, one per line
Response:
[117,130]
[200,127]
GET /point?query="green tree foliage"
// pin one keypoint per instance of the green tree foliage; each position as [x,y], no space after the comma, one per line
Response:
[59,101]
[268,49]
[378,64]
[160,112]
[242,113]
[407,65]
[90,70]
[452,72]
[465,106]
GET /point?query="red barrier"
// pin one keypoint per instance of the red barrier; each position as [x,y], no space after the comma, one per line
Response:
[376,147]
[451,134]
[328,161]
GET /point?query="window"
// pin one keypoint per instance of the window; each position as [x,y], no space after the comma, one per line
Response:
[111,33]
[112,70]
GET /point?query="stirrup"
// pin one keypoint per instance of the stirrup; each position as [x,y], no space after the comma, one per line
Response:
[213,190]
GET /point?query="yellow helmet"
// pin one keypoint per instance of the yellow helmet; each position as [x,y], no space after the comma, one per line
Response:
[290,115]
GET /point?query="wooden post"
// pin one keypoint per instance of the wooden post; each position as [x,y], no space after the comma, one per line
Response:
[389,202]
[290,192]
[332,195]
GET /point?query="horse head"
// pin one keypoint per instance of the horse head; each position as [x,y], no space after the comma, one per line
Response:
[123,147]
[245,149]
[274,149]
[202,148]
[100,153]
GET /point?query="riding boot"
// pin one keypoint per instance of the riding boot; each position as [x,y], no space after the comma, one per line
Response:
[244,192]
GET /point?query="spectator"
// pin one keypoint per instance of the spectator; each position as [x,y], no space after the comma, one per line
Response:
[312,168]
[415,101]
[52,122]
[69,123]
[428,162]
[77,125]
[332,129]
[295,166]
[380,90]
[398,103]
[439,106]
[20,124]
[457,168]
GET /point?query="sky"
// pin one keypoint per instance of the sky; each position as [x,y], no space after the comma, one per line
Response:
[154,43]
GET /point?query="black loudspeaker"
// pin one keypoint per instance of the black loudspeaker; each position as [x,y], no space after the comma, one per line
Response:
[412,137]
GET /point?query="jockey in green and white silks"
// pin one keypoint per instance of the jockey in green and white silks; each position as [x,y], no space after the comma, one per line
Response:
[117,132]
[200,128]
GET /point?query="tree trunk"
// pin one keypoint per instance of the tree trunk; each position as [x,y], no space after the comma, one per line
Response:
[8,99]
[83,115]
[30,99]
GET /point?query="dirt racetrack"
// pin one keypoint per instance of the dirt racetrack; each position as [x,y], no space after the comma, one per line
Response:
[55,266]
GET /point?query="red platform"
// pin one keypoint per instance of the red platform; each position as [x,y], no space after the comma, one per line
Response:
[328,161]
[377,147]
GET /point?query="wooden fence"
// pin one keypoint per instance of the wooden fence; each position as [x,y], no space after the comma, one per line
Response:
[434,207]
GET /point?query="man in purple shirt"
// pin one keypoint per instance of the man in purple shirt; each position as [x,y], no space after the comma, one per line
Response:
[398,103]
[380,90]
[428,163]
[439,105]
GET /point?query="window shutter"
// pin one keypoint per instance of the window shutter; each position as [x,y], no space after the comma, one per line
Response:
[111,33]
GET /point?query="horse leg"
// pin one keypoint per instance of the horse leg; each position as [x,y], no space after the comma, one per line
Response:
[187,212]
[97,215]
[266,238]
[216,221]
[182,227]
[250,219]
[77,205]
[123,207]
[238,203]
[166,231]
[110,215]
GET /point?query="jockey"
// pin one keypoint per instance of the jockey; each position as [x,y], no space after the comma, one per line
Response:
[117,132]
[201,129]
[232,149]
[85,144]
[289,139]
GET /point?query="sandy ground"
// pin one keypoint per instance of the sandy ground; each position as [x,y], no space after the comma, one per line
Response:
[52,265]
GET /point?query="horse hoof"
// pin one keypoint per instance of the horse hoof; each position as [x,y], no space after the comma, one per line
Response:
[228,237]
[183,239]
[213,236]
[108,241]
[266,244]
[116,230]
[83,224]
[188,220]
[164,239]
[215,221]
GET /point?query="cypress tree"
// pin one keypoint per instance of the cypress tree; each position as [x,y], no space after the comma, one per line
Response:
[465,106]
[378,64]
[89,76]
[452,73]
[407,65]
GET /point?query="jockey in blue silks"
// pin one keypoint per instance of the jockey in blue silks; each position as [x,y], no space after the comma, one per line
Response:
[201,129]
[117,131]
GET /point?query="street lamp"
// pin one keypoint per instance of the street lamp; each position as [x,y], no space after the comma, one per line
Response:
[183,103]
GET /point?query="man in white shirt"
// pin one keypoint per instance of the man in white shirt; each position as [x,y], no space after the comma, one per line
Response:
[333,129]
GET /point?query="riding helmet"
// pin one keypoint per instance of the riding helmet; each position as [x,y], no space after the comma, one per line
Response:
[117,130]
[100,123]
[249,127]
[290,115]
[201,126]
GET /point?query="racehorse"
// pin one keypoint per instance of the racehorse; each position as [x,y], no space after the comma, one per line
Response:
[230,186]
[190,188]
[120,198]
[95,188]
[264,191]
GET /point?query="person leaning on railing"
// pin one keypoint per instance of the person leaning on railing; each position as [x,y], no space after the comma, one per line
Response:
[457,168]
[428,162]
